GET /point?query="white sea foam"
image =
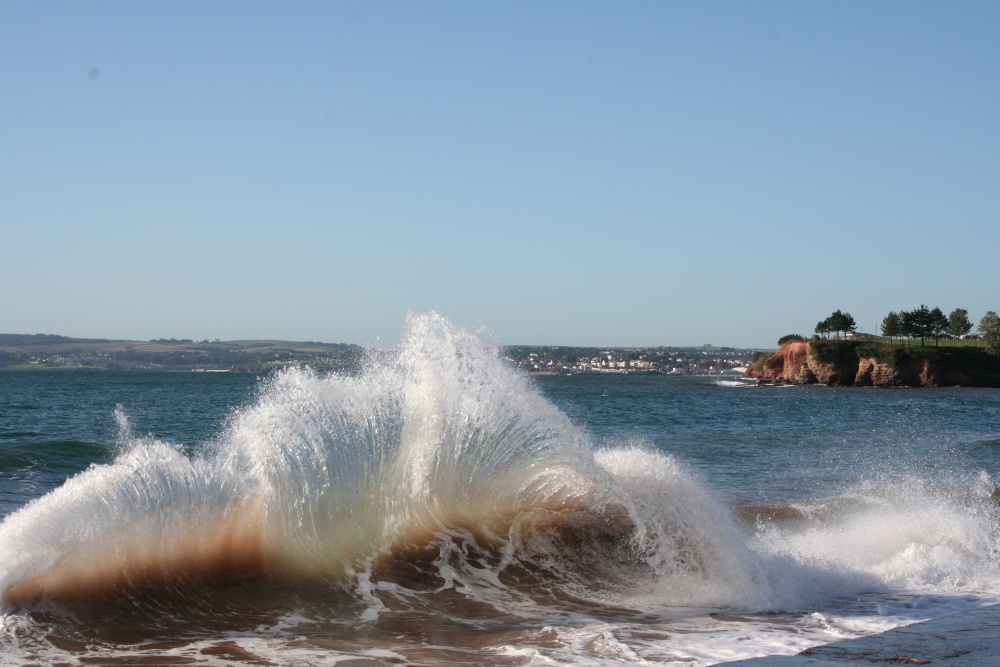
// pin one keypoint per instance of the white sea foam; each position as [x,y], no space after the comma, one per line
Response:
[739,384]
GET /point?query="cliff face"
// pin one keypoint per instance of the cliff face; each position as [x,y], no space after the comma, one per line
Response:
[794,363]
[911,373]
[847,364]
[789,365]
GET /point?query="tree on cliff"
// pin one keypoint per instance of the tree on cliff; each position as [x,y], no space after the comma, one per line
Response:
[958,323]
[910,321]
[924,323]
[837,322]
[989,327]
[892,326]
[938,324]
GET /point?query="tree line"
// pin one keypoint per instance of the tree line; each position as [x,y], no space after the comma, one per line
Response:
[922,323]
[838,323]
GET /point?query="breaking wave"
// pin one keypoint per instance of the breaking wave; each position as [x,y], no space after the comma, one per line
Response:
[441,481]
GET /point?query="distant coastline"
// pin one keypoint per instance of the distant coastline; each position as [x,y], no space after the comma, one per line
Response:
[561,360]
[44,352]
[48,352]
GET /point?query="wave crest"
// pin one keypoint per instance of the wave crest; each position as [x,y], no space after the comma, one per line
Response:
[439,444]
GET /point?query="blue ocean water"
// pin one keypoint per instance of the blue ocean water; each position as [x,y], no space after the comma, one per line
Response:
[55,425]
[442,508]
[781,444]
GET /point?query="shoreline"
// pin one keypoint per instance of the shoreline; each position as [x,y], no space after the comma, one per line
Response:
[966,639]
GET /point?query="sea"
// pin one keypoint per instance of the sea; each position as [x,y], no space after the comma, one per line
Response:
[439,507]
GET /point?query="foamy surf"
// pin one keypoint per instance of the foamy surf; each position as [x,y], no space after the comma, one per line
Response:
[439,501]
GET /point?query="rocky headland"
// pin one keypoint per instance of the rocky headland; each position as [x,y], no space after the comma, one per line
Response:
[867,364]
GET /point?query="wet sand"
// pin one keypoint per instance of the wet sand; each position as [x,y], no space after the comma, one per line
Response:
[968,639]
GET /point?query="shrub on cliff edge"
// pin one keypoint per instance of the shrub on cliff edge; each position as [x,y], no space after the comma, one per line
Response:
[834,352]
[884,354]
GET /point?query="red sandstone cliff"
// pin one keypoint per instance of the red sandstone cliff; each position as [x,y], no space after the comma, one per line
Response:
[789,365]
[914,373]
[795,363]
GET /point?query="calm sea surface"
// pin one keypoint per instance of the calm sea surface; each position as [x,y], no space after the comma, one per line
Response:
[722,520]
[780,444]
[54,425]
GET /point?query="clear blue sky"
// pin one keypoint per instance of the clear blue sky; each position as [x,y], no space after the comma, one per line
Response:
[582,173]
